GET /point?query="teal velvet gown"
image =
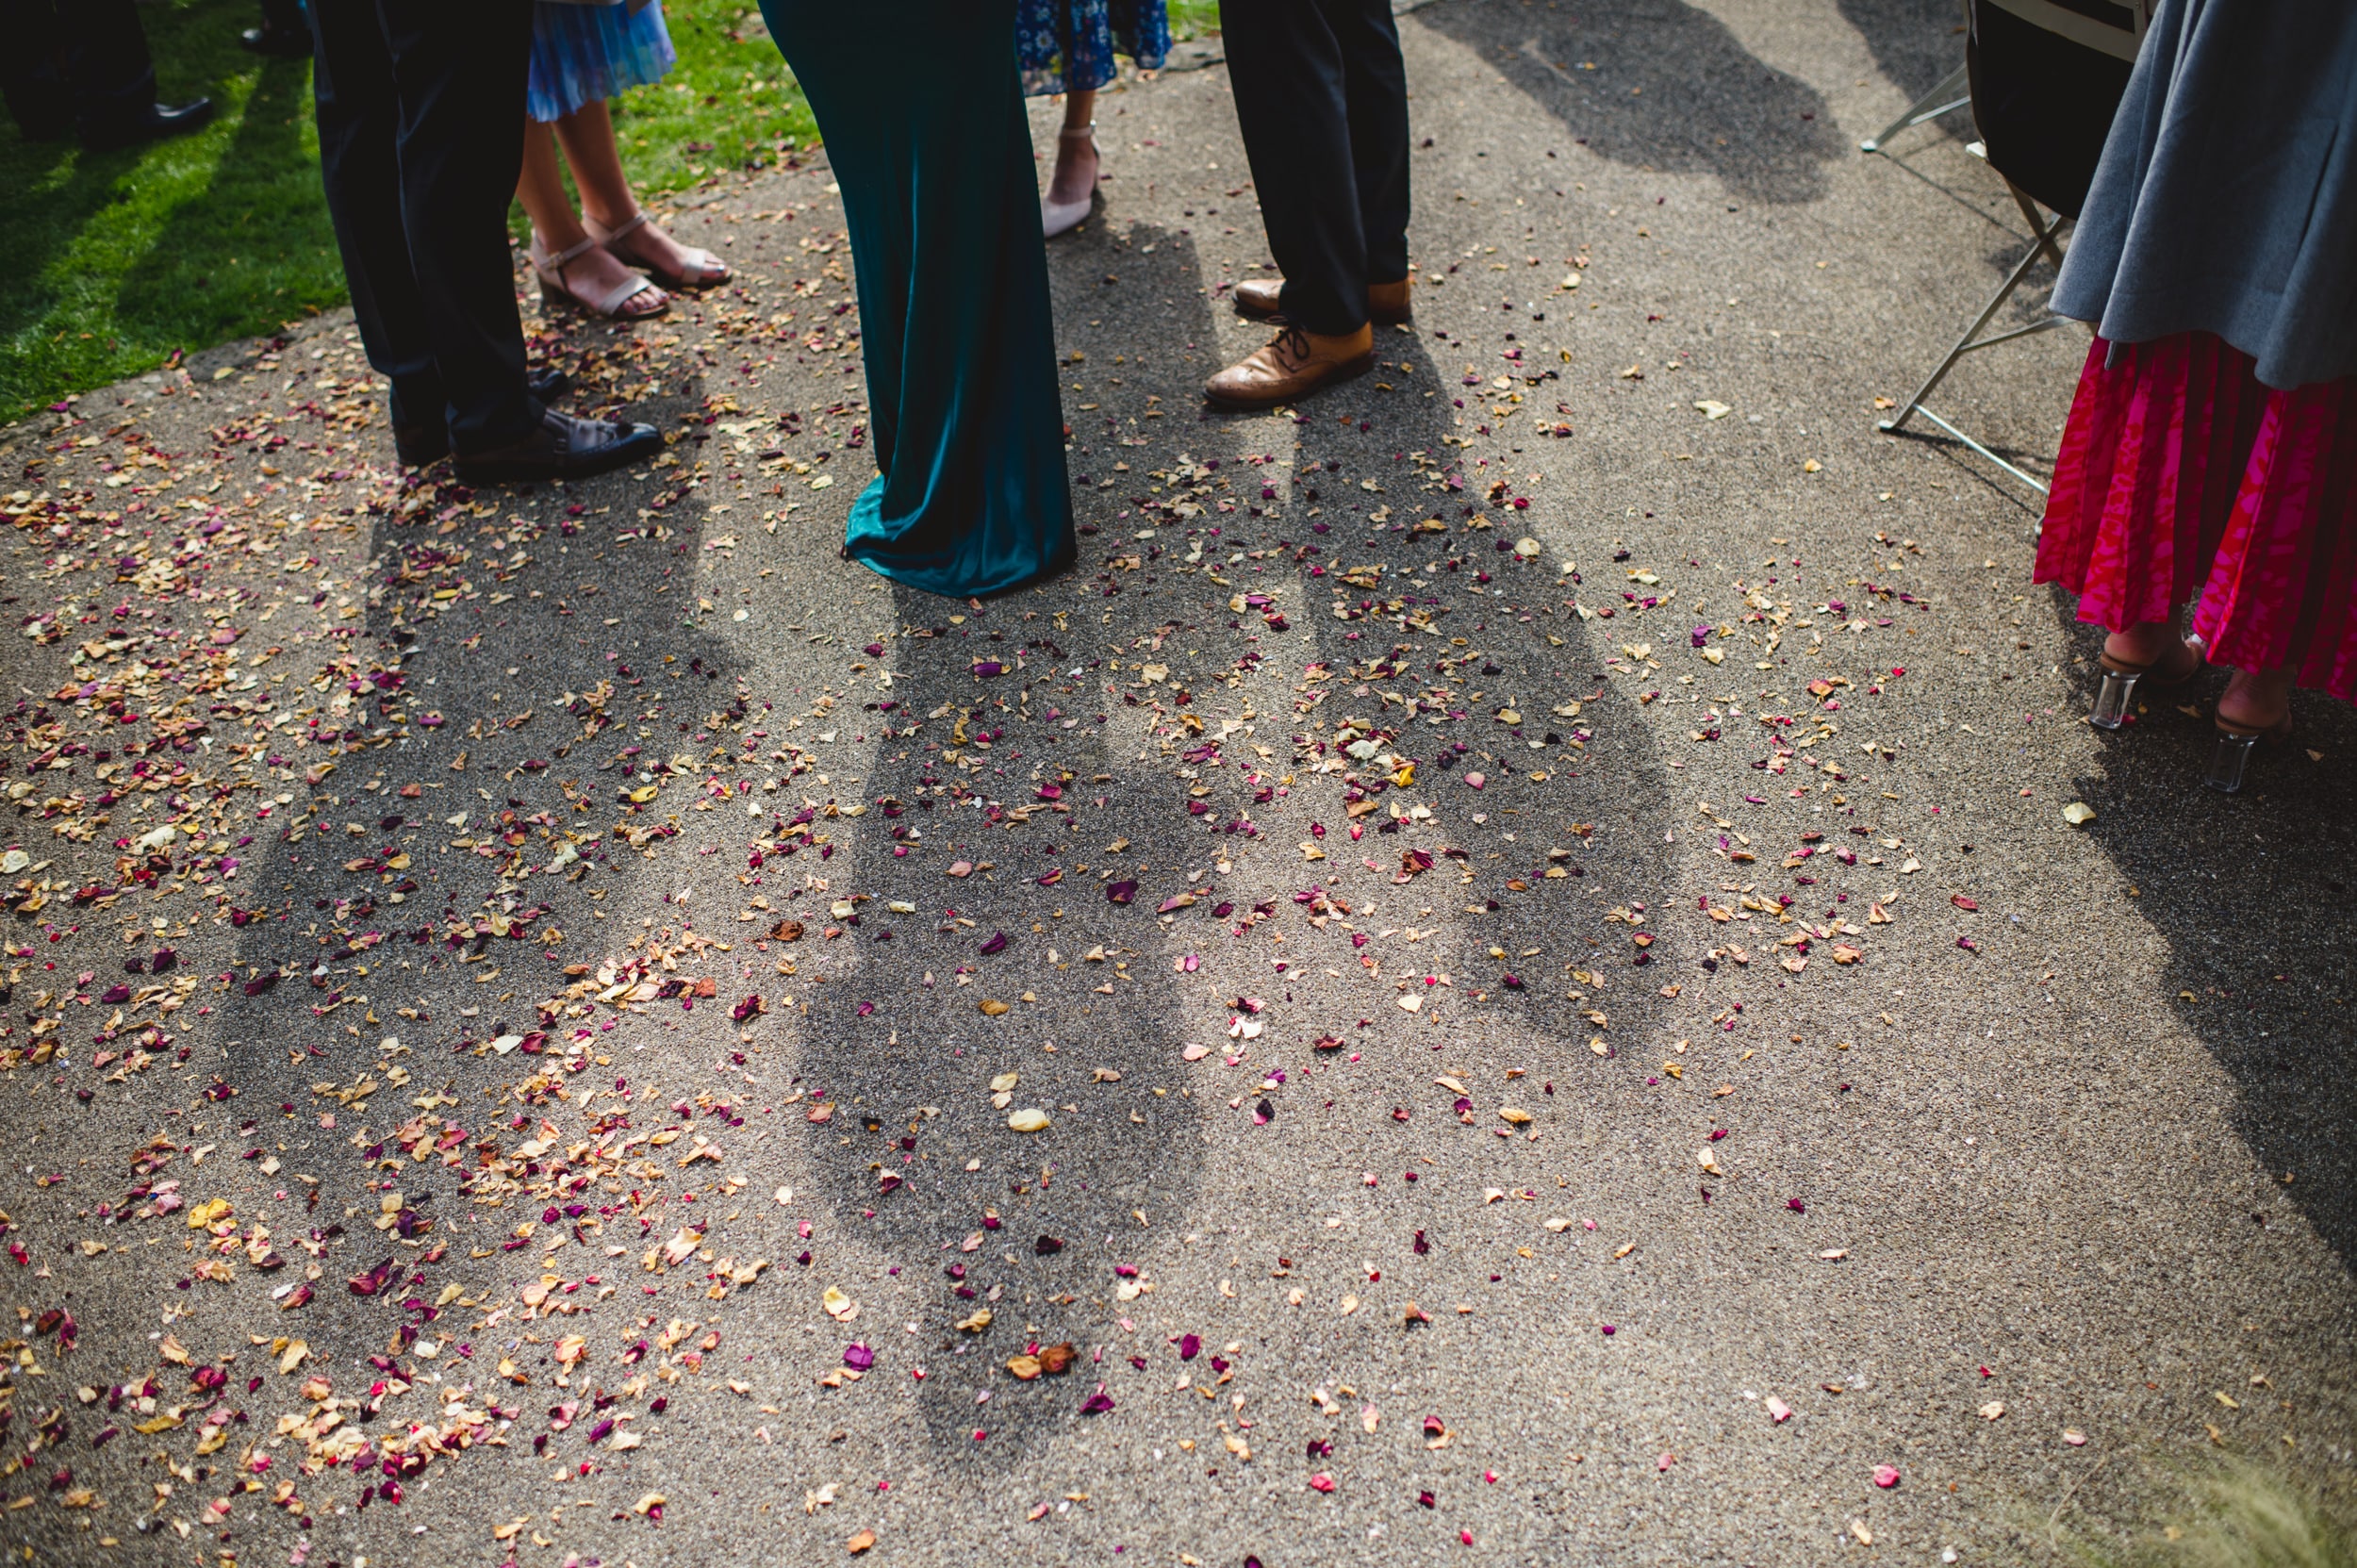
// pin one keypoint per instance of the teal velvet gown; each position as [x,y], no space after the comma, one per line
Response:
[923,121]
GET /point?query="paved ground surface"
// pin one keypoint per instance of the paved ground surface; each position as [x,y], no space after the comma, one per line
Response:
[1709,1068]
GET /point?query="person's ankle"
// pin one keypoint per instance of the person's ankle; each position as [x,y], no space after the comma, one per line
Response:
[649,240]
[1074,178]
[557,245]
[2256,698]
[1356,339]
[2147,642]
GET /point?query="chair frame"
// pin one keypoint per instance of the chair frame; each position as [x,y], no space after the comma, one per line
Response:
[2046,228]
[1948,95]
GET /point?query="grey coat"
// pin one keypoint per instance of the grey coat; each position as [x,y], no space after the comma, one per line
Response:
[2226,200]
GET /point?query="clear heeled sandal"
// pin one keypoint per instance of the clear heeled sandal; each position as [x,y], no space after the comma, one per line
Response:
[2122,678]
[2237,745]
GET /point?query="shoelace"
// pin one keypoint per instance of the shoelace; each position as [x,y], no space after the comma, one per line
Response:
[1292,344]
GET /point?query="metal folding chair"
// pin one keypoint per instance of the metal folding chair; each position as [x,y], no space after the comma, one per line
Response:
[1948,94]
[2109,28]
[2046,229]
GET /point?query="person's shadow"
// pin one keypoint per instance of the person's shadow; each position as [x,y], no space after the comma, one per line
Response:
[2250,894]
[939,1021]
[1547,793]
[204,280]
[423,920]
[1326,608]
[1916,43]
[1669,89]
[247,248]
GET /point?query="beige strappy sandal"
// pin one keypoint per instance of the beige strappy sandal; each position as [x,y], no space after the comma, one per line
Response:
[1056,217]
[704,270]
[616,305]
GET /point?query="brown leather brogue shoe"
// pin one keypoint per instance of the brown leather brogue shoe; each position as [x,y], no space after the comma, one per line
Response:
[1294,364]
[1256,299]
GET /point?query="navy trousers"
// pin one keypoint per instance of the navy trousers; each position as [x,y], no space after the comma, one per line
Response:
[422,126]
[1322,96]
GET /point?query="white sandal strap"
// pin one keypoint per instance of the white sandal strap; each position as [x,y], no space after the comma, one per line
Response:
[552,271]
[623,293]
[605,235]
[563,258]
[699,264]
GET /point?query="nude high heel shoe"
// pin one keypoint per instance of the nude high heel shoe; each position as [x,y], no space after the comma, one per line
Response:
[1054,217]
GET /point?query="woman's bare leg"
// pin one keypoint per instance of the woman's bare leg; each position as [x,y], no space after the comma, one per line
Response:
[2156,643]
[540,188]
[607,197]
[1075,153]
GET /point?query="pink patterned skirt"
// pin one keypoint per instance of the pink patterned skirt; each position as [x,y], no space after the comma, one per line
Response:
[2182,478]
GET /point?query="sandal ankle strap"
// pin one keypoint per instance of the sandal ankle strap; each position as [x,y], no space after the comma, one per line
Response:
[605,235]
[560,259]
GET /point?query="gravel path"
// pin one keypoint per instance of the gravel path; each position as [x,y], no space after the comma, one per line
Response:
[1531,895]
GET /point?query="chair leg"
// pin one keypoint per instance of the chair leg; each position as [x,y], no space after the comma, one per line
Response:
[2037,225]
[1966,344]
[1950,93]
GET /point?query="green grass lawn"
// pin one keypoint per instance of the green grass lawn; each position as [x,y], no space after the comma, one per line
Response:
[129,258]
[1194,18]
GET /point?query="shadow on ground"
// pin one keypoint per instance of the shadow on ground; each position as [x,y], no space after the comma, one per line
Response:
[1019,1237]
[2205,867]
[200,280]
[1916,43]
[345,949]
[245,247]
[1664,85]
[1036,779]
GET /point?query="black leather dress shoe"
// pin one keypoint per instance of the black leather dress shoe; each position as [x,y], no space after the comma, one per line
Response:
[418,445]
[562,447]
[415,446]
[152,124]
[286,43]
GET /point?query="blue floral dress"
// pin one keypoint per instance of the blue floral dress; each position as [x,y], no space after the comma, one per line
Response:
[583,51]
[1068,45]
